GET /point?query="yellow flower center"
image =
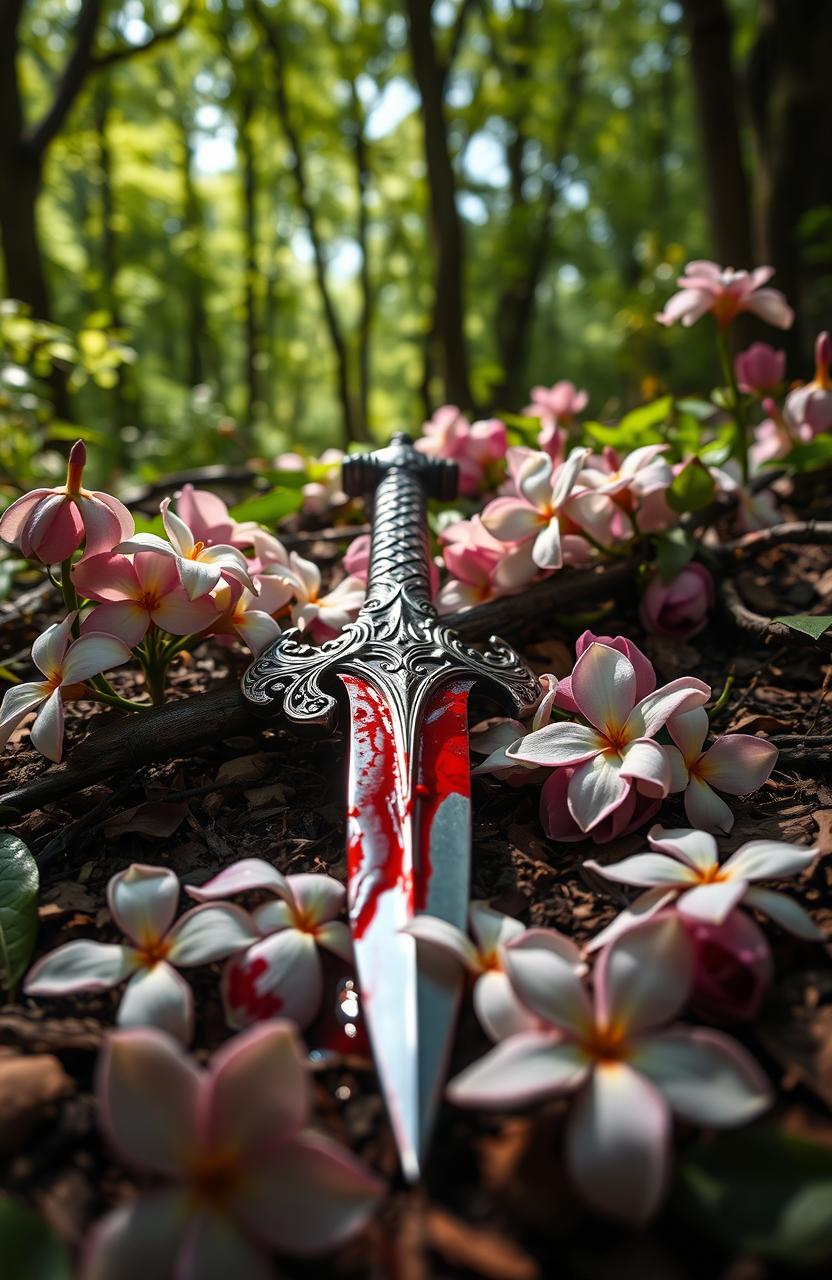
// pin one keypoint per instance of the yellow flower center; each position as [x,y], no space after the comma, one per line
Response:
[153,952]
[199,547]
[213,1178]
[606,1044]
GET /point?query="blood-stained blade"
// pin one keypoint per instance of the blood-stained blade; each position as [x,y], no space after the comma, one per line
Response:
[408,851]
[407,675]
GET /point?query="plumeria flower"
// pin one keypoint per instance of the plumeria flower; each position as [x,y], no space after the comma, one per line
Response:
[736,763]
[249,617]
[65,666]
[142,902]
[241,1173]
[200,567]
[705,287]
[759,369]
[282,971]
[639,473]
[209,519]
[732,967]
[478,448]
[494,740]
[482,566]
[268,552]
[135,593]
[326,491]
[499,1011]
[684,870]
[629,1070]
[810,406]
[559,403]
[615,751]
[680,607]
[50,524]
[542,510]
[323,615]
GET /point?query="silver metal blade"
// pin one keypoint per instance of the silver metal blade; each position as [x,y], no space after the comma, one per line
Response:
[409,841]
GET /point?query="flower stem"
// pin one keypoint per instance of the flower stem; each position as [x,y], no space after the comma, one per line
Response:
[69,593]
[736,406]
[723,697]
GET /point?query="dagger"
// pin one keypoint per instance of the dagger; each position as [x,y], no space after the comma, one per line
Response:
[407,678]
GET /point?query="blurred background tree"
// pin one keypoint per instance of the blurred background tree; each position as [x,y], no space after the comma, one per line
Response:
[313,221]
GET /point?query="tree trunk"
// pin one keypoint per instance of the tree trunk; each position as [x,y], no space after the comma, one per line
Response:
[788,84]
[446,226]
[710,31]
[250,329]
[362,182]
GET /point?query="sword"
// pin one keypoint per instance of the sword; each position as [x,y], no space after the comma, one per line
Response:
[407,677]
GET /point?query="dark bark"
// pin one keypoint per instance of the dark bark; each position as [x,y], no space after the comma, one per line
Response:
[516,305]
[195,290]
[788,89]
[362,181]
[249,193]
[728,200]
[274,38]
[448,327]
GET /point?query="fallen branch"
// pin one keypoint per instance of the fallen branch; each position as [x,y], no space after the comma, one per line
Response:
[758,624]
[798,533]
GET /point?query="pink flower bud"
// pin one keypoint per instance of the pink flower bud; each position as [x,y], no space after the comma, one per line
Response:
[678,608]
[732,967]
[760,368]
[76,462]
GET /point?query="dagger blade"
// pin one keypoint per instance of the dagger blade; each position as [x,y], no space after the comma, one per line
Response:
[408,851]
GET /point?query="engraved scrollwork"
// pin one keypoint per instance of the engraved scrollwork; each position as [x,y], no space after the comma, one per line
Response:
[398,643]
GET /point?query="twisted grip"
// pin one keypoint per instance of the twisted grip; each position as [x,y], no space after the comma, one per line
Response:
[402,479]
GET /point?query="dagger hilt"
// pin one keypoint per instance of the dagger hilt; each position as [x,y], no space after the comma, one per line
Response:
[401,479]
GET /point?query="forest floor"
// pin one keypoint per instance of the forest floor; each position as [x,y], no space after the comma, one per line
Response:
[494,1202]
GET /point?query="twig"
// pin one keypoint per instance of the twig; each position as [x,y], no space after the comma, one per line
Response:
[759,625]
[796,532]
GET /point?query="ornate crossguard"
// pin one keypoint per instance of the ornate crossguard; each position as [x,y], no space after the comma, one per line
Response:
[407,677]
[398,639]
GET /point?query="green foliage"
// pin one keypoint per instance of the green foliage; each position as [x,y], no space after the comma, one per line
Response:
[674,549]
[29,1249]
[764,1192]
[814,625]
[18,909]
[692,488]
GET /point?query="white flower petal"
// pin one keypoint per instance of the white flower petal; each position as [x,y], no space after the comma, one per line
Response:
[335,936]
[208,933]
[142,1238]
[557,744]
[181,538]
[47,733]
[769,860]
[711,903]
[499,1012]
[785,912]
[430,931]
[596,788]
[492,929]
[522,1069]
[240,877]
[279,975]
[644,978]
[652,712]
[260,1092]
[704,1075]
[696,848]
[80,966]
[689,730]
[618,1143]
[142,902]
[158,997]
[604,687]
[645,869]
[91,654]
[646,761]
[548,985]
[546,550]
[317,897]
[49,648]
[641,909]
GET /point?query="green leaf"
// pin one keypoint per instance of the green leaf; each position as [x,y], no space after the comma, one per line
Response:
[639,427]
[763,1191]
[18,909]
[699,409]
[269,507]
[811,624]
[692,488]
[28,1248]
[674,549]
[809,456]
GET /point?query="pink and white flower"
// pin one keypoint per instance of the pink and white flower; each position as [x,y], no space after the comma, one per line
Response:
[142,902]
[135,593]
[736,763]
[477,448]
[209,519]
[322,615]
[241,1172]
[630,1070]
[200,567]
[683,870]
[65,666]
[614,752]
[482,567]
[249,617]
[705,287]
[546,511]
[559,403]
[680,607]
[732,967]
[281,973]
[810,406]
[498,1009]
[50,524]
[760,369]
